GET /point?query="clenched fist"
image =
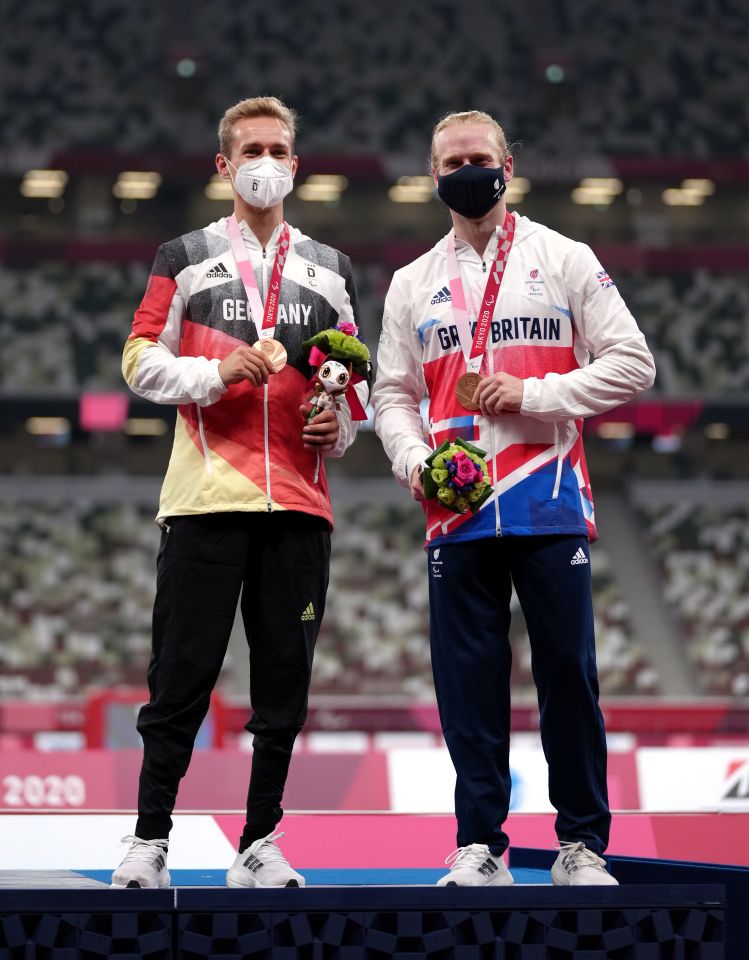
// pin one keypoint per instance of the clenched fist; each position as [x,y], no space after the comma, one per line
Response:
[245,363]
[321,432]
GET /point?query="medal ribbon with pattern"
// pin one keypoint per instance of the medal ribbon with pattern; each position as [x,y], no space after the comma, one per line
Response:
[474,348]
[267,325]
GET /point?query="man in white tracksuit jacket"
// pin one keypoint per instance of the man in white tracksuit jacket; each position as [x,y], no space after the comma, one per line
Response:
[525,308]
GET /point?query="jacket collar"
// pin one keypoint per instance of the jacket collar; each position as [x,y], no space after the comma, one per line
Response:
[218,229]
[523,228]
[252,241]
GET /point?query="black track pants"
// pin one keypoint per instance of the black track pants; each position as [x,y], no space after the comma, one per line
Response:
[280,562]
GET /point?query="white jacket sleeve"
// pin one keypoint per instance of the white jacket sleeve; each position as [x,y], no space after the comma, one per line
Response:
[399,386]
[348,428]
[150,361]
[164,378]
[622,365]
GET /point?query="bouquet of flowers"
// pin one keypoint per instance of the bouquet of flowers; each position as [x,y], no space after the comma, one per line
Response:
[457,476]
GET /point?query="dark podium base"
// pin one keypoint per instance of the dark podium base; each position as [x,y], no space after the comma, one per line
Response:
[663,909]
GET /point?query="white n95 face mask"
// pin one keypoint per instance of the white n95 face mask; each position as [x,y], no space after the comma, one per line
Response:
[262,183]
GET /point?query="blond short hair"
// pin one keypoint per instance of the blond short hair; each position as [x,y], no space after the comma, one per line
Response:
[470,116]
[255,107]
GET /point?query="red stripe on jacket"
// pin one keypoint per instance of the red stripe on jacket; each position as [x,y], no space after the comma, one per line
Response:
[151,316]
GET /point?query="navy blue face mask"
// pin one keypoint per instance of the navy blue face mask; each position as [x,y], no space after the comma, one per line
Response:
[472,191]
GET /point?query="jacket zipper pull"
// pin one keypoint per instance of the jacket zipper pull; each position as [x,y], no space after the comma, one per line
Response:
[483,266]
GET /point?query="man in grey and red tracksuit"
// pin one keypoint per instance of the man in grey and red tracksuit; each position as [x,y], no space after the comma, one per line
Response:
[244,506]
[522,309]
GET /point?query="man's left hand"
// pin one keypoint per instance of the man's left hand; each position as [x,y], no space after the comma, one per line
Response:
[499,393]
[321,433]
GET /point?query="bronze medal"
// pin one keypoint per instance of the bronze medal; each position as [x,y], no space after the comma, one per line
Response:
[274,351]
[465,389]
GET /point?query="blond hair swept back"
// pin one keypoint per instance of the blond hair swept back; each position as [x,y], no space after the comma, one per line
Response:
[465,117]
[254,107]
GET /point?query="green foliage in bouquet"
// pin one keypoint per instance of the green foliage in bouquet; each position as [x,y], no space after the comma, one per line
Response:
[341,346]
[457,476]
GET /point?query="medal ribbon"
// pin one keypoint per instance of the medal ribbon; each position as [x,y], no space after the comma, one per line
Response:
[267,325]
[473,350]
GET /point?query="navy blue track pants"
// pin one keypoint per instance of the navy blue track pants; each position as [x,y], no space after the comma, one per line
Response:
[470,585]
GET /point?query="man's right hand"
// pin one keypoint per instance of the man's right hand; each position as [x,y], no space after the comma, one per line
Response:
[416,483]
[245,363]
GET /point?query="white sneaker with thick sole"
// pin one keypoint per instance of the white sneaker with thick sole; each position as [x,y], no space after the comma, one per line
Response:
[576,866]
[475,866]
[263,865]
[144,864]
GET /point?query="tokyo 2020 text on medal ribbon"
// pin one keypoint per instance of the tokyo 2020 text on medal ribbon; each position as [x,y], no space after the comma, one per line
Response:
[475,347]
[264,317]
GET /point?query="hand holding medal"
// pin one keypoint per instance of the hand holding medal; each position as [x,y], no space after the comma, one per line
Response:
[246,363]
[274,351]
[500,393]
[263,316]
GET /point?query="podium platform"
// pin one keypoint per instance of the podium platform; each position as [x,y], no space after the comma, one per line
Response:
[663,908]
[637,921]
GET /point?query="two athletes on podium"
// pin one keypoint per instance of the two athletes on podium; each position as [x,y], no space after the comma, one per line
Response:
[245,506]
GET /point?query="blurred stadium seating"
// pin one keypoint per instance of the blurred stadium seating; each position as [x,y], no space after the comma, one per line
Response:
[648,96]
[62,329]
[696,326]
[630,79]
[703,553]
[77,590]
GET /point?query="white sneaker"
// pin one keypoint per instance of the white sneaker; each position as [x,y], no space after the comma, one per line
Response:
[263,865]
[475,866]
[144,864]
[576,866]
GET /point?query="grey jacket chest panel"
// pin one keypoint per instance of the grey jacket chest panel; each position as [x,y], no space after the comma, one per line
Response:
[301,314]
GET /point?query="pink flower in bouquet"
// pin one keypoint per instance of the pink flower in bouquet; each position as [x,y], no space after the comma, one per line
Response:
[348,327]
[465,472]
[457,477]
